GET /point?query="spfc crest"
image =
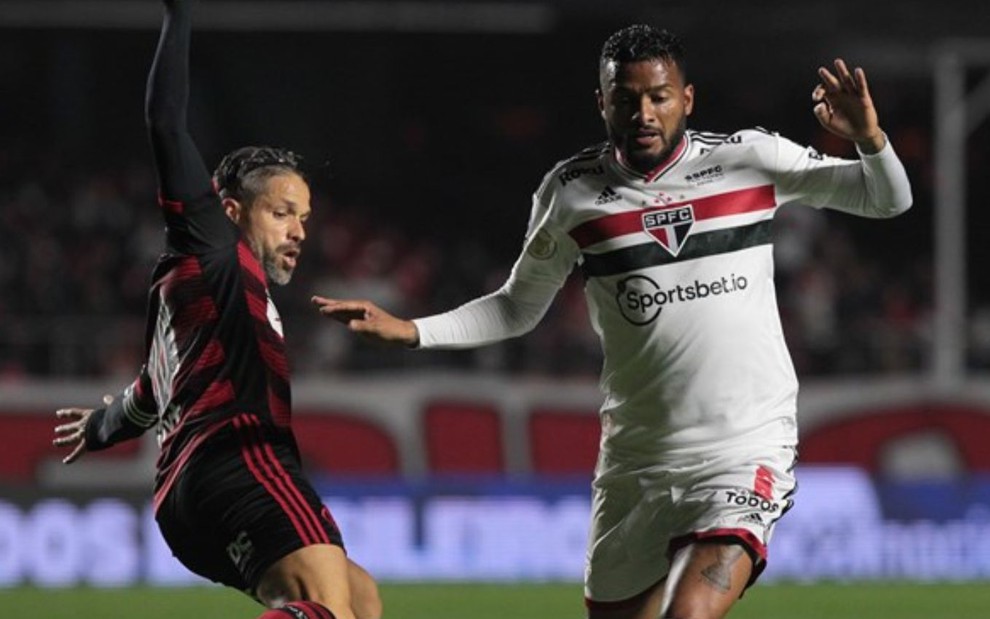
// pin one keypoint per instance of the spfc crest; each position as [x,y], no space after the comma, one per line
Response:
[670,227]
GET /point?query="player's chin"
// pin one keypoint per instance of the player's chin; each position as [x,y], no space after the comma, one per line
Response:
[278,275]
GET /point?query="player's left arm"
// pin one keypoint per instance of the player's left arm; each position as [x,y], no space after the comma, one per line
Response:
[874,185]
[124,416]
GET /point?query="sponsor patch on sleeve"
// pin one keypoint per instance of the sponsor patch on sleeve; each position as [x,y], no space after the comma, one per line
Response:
[542,245]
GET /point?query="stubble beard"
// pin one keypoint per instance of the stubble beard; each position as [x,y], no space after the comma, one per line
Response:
[269,263]
[645,162]
[273,272]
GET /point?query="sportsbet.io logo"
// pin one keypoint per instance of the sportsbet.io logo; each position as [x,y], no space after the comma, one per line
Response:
[641,299]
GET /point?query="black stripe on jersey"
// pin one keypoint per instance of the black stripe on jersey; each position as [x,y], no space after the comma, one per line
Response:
[710,138]
[697,246]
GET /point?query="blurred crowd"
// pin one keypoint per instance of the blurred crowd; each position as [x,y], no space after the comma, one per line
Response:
[78,248]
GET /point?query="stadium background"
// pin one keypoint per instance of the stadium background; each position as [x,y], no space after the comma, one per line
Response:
[427,125]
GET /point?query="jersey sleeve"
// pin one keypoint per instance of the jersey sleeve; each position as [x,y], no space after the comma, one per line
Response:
[875,185]
[127,416]
[194,219]
[518,306]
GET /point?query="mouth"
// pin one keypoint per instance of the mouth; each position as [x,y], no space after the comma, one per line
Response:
[290,257]
[646,137]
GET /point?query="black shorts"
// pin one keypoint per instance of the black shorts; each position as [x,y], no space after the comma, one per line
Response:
[241,504]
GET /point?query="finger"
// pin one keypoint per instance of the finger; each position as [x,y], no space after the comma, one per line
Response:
[842,72]
[75,413]
[818,94]
[346,316]
[823,113]
[829,82]
[67,428]
[345,306]
[67,440]
[318,300]
[72,457]
[861,83]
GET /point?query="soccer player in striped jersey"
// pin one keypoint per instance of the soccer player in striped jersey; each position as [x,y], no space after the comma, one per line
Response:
[229,494]
[671,230]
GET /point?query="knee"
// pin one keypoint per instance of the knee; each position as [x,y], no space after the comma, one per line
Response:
[365,598]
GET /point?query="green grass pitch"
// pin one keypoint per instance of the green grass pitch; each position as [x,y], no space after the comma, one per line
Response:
[516,601]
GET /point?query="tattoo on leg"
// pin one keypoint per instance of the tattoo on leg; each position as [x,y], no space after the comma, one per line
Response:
[719,573]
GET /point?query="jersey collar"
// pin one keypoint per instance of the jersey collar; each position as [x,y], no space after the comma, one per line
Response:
[665,165]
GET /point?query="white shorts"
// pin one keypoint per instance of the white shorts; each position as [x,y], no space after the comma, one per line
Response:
[642,515]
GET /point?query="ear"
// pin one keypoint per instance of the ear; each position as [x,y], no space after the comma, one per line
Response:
[688,99]
[233,209]
[601,102]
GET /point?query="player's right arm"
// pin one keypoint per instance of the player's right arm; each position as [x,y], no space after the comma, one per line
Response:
[512,310]
[182,175]
[124,416]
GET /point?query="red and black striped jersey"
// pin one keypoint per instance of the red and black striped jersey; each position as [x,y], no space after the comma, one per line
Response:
[214,337]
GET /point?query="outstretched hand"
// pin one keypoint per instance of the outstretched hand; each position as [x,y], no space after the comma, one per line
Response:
[73,433]
[843,106]
[366,318]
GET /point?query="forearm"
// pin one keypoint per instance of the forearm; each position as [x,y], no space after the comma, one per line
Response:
[181,172]
[127,416]
[513,310]
[883,189]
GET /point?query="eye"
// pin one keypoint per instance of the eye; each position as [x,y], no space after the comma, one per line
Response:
[280,214]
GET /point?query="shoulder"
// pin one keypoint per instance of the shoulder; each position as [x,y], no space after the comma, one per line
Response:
[712,139]
[588,161]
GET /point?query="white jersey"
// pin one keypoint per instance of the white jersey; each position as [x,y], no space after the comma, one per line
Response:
[678,270]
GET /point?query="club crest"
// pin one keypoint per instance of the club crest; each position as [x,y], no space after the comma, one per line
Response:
[670,227]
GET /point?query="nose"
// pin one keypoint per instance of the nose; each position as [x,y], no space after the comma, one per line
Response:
[297,231]
[646,112]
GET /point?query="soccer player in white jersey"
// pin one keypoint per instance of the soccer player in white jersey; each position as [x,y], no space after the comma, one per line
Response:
[671,229]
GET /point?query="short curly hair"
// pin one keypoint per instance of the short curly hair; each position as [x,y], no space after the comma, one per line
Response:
[242,173]
[643,42]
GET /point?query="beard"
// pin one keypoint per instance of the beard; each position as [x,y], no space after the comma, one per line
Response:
[269,260]
[645,161]
[275,273]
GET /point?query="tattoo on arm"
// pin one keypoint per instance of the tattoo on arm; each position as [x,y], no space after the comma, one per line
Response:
[719,573]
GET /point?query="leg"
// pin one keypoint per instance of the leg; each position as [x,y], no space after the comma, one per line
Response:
[644,606]
[321,573]
[705,580]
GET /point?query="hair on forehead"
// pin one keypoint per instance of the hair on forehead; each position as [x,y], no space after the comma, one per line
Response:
[243,173]
[642,42]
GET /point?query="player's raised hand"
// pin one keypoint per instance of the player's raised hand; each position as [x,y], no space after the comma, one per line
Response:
[366,318]
[843,105]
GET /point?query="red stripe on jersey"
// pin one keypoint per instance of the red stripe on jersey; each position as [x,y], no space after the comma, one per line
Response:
[266,468]
[193,314]
[763,483]
[669,163]
[274,355]
[168,475]
[214,396]
[212,355]
[257,305]
[280,409]
[720,205]
[249,262]
[172,206]
[312,518]
[249,453]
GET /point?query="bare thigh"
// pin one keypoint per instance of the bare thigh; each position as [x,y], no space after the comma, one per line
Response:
[321,573]
[705,580]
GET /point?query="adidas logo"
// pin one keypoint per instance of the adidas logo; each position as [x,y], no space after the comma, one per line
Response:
[607,195]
